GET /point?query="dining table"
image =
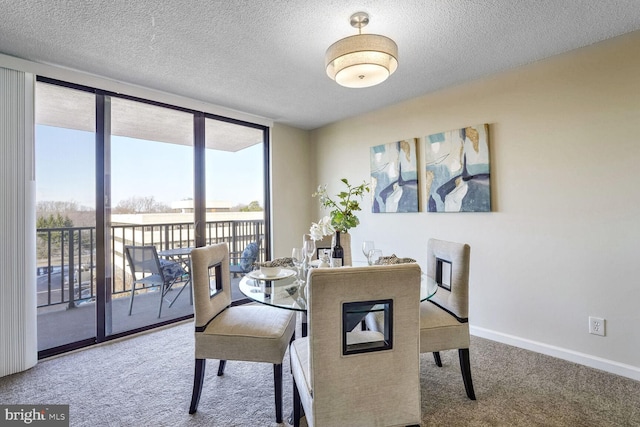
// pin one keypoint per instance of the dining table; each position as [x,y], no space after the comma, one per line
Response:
[287,291]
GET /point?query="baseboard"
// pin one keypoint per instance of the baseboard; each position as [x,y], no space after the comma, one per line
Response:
[606,365]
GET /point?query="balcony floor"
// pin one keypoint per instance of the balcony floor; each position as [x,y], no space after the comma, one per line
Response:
[59,325]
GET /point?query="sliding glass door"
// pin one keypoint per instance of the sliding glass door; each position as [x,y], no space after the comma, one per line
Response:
[65,215]
[235,190]
[113,172]
[151,150]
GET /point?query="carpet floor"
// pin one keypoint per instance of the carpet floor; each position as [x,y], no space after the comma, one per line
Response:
[146,380]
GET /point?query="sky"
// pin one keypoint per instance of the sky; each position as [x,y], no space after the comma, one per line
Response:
[65,170]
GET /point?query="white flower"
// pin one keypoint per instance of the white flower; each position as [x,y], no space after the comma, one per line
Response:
[321,228]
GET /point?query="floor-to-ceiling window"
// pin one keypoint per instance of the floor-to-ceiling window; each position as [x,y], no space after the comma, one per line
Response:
[128,175]
[65,215]
[151,150]
[235,187]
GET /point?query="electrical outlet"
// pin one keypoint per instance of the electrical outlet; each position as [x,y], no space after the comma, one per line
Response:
[596,325]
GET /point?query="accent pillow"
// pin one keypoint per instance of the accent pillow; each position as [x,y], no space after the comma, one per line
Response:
[249,256]
[171,269]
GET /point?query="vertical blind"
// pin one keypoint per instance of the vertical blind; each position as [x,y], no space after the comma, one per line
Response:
[18,321]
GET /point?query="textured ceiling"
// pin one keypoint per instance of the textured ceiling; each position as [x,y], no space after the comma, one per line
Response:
[267,57]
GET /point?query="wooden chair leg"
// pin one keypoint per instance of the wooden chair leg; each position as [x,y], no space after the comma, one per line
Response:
[296,405]
[436,357]
[198,379]
[465,367]
[221,366]
[277,385]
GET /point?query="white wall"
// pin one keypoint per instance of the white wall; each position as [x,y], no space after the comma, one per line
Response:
[560,244]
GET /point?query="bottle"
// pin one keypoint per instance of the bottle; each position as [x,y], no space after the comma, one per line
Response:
[337,253]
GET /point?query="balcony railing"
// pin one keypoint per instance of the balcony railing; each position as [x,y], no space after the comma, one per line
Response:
[67,256]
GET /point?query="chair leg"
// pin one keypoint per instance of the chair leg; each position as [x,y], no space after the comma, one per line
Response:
[465,367]
[221,366]
[198,379]
[133,291]
[277,385]
[296,405]
[436,357]
[162,294]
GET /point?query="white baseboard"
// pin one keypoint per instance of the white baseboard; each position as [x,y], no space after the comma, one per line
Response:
[606,365]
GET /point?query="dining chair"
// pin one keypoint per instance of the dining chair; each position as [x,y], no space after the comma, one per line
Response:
[327,242]
[444,319]
[251,333]
[148,270]
[344,375]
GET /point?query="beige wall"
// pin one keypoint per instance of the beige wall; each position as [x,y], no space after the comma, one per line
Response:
[292,175]
[561,242]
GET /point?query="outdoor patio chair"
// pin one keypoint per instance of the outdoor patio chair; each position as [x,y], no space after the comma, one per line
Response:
[148,270]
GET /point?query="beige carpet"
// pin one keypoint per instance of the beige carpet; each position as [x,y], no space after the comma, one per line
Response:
[147,380]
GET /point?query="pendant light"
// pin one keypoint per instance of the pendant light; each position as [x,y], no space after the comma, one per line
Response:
[362,60]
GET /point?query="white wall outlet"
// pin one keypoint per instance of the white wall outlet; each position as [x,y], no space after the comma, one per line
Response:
[596,325]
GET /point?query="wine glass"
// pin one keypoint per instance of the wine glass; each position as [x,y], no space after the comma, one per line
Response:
[374,255]
[309,248]
[297,258]
[367,246]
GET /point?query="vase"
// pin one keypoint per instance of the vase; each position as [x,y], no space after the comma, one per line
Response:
[337,252]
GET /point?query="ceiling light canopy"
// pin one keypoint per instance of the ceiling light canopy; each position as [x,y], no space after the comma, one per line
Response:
[362,60]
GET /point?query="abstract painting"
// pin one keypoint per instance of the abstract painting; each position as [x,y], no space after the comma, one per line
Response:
[457,170]
[394,177]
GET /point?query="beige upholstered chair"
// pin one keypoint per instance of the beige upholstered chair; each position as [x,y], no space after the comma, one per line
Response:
[254,333]
[327,242]
[334,382]
[444,319]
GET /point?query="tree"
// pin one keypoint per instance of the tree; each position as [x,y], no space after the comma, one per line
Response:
[252,207]
[52,207]
[53,221]
[53,237]
[136,204]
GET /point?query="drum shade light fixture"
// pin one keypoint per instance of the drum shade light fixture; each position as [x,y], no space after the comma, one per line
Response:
[362,60]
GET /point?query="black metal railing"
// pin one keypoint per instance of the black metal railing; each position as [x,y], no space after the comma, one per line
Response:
[66,256]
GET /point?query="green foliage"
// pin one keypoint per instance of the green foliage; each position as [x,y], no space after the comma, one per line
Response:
[252,207]
[342,212]
[54,221]
[54,238]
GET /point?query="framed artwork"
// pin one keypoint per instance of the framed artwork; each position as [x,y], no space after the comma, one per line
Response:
[394,177]
[457,170]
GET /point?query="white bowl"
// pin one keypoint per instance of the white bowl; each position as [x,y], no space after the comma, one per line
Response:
[270,271]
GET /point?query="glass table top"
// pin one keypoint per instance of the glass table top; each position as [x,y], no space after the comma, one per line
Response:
[286,292]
